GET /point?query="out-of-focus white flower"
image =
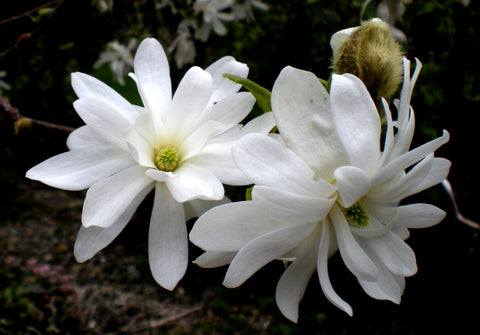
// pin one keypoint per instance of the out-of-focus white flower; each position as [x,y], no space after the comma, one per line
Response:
[182,46]
[120,58]
[3,85]
[326,185]
[103,5]
[180,146]
[213,14]
[244,9]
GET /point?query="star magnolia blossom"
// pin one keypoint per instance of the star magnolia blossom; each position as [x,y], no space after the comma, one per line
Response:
[179,146]
[326,185]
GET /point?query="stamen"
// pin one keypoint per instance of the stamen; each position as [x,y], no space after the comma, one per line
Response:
[166,159]
[356,215]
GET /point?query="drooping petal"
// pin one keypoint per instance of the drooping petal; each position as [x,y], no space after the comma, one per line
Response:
[108,199]
[289,207]
[167,239]
[357,121]
[214,259]
[222,86]
[263,250]
[81,168]
[352,184]
[190,99]
[152,74]
[229,227]
[192,182]
[87,87]
[355,258]
[322,269]
[293,282]
[303,117]
[91,240]
[419,215]
[104,120]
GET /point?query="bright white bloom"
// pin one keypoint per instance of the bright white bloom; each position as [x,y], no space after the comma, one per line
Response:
[3,85]
[120,58]
[213,14]
[325,185]
[179,146]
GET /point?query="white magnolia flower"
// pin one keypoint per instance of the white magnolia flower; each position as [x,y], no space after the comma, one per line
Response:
[326,185]
[244,10]
[183,46]
[213,14]
[120,58]
[178,146]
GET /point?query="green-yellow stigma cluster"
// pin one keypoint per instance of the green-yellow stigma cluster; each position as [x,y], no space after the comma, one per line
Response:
[356,215]
[166,159]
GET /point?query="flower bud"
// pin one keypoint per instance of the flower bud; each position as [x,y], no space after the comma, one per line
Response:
[370,53]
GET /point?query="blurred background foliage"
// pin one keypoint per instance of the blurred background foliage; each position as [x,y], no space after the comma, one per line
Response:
[42,43]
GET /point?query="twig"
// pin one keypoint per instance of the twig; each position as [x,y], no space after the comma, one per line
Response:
[28,12]
[448,188]
[19,118]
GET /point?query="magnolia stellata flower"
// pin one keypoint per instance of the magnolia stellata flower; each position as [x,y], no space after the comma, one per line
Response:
[120,58]
[326,185]
[178,146]
[213,14]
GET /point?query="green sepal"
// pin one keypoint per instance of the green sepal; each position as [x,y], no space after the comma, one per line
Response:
[262,95]
[327,83]
[248,193]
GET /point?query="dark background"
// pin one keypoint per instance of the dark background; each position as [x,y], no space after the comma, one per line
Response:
[37,222]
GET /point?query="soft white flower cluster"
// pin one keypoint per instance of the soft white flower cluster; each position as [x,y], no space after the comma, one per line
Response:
[119,57]
[330,180]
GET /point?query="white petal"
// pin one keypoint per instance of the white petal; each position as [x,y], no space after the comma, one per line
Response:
[302,113]
[107,199]
[81,168]
[438,172]
[262,124]
[191,97]
[159,175]
[229,227]
[419,215]
[267,162]
[192,182]
[230,110]
[104,120]
[91,240]
[357,121]
[152,74]
[87,87]
[355,258]
[195,208]
[352,184]
[214,259]
[322,269]
[167,239]
[289,207]
[222,86]
[293,283]
[83,137]
[195,142]
[338,38]
[263,250]
[408,159]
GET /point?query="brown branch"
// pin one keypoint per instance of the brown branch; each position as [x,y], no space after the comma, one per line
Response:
[28,12]
[23,121]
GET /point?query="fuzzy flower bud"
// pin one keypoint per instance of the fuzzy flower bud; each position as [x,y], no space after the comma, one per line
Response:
[370,53]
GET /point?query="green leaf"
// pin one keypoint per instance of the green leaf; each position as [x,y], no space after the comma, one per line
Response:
[262,95]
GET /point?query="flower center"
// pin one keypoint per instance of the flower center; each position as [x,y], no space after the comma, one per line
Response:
[356,215]
[166,159]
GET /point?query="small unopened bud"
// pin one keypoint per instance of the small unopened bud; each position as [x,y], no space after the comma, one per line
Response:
[22,123]
[370,53]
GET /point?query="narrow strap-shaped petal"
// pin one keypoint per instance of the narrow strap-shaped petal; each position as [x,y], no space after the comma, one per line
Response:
[91,240]
[357,121]
[293,282]
[262,250]
[355,258]
[322,269]
[167,239]
[214,259]
[81,168]
[419,215]
[152,74]
[107,199]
